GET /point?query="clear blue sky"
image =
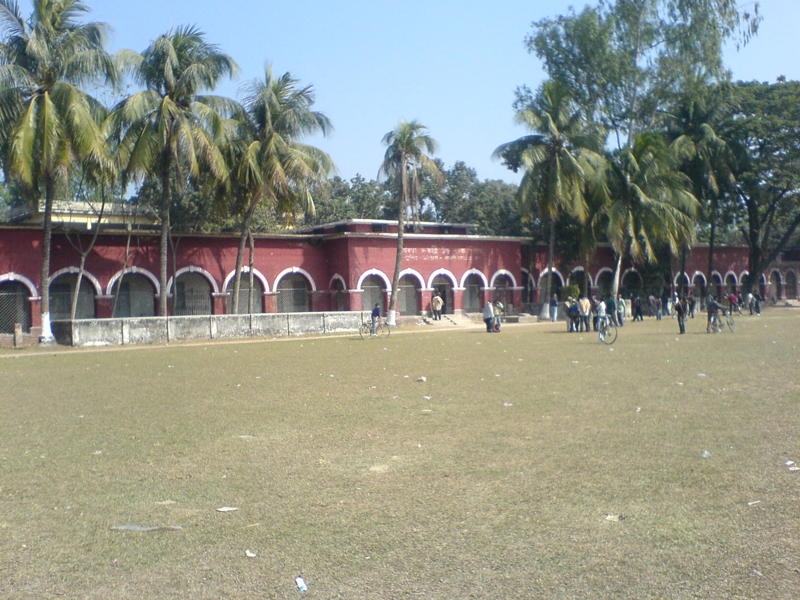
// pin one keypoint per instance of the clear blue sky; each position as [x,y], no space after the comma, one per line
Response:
[450,64]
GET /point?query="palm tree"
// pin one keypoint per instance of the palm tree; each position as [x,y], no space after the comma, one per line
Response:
[705,157]
[649,201]
[561,162]
[47,123]
[169,130]
[269,164]
[406,158]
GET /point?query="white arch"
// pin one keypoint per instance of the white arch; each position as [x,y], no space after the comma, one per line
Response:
[678,275]
[256,273]
[702,275]
[602,270]
[506,273]
[98,289]
[379,274]
[294,271]
[480,274]
[545,272]
[744,274]
[413,273]
[132,270]
[444,272]
[719,279]
[781,278]
[735,278]
[21,279]
[339,278]
[200,271]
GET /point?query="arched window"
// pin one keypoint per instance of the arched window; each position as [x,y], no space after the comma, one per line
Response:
[293,293]
[134,296]
[472,293]
[408,295]
[374,293]
[192,295]
[250,300]
[14,306]
[61,290]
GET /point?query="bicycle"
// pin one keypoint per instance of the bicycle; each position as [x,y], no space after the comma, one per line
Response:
[382,329]
[606,330]
[717,325]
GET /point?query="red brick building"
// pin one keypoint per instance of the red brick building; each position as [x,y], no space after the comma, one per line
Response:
[341,266]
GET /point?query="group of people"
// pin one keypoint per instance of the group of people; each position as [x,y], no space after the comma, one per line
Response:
[583,311]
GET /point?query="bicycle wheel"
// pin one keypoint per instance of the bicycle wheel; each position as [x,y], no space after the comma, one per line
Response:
[364,331]
[715,326]
[609,333]
[730,323]
[383,330]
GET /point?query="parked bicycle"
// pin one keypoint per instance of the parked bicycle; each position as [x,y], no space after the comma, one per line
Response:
[382,329]
[606,330]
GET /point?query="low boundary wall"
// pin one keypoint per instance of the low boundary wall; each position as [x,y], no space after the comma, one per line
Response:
[163,330]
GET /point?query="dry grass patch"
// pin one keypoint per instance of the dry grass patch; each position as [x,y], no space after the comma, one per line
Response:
[492,478]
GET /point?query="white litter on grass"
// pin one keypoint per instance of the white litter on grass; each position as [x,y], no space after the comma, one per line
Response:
[426,397]
[250,553]
[705,454]
[789,463]
[609,517]
[753,502]
[422,379]
[145,528]
[701,374]
[227,508]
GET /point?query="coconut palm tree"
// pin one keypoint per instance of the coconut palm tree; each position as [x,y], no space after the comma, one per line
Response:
[268,162]
[406,158]
[649,201]
[704,156]
[47,122]
[561,161]
[170,130]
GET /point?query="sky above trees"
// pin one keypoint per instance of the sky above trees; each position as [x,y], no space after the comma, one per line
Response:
[453,66]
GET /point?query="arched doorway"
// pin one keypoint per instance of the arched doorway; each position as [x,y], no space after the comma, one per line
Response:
[791,285]
[604,283]
[554,287]
[699,286]
[250,300]
[61,290]
[374,292]
[715,285]
[192,295]
[631,284]
[444,287]
[293,293]
[15,306]
[134,296]
[472,293]
[502,290]
[579,278]
[730,283]
[408,295]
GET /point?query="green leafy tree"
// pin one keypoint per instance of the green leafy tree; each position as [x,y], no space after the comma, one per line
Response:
[48,123]
[407,156]
[561,160]
[624,61]
[270,164]
[357,198]
[170,131]
[763,130]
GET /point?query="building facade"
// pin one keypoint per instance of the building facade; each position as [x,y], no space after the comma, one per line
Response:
[345,266]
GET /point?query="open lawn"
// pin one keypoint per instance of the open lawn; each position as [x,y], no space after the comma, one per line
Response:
[435,464]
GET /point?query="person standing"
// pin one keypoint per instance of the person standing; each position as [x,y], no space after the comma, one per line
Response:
[584,310]
[620,310]
[374,316]
[488,316]
[554,308]
[436,305]
[681,308]
[611,309]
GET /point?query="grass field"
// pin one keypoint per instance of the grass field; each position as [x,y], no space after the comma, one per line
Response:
[441,465]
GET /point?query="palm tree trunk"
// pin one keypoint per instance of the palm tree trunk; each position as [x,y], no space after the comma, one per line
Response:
[44,278]
[237,276]
[164,242]
[617,274]
[544,313]
[398,258]
[711,240]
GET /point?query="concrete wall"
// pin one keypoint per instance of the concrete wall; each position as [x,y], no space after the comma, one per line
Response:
[160,330]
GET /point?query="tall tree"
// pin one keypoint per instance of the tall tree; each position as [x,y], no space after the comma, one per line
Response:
[407,155]
[47,122]
[169,130]
[703,155]
[649,202]
[763,130]
[270,164]
[560,160]
[625,60]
